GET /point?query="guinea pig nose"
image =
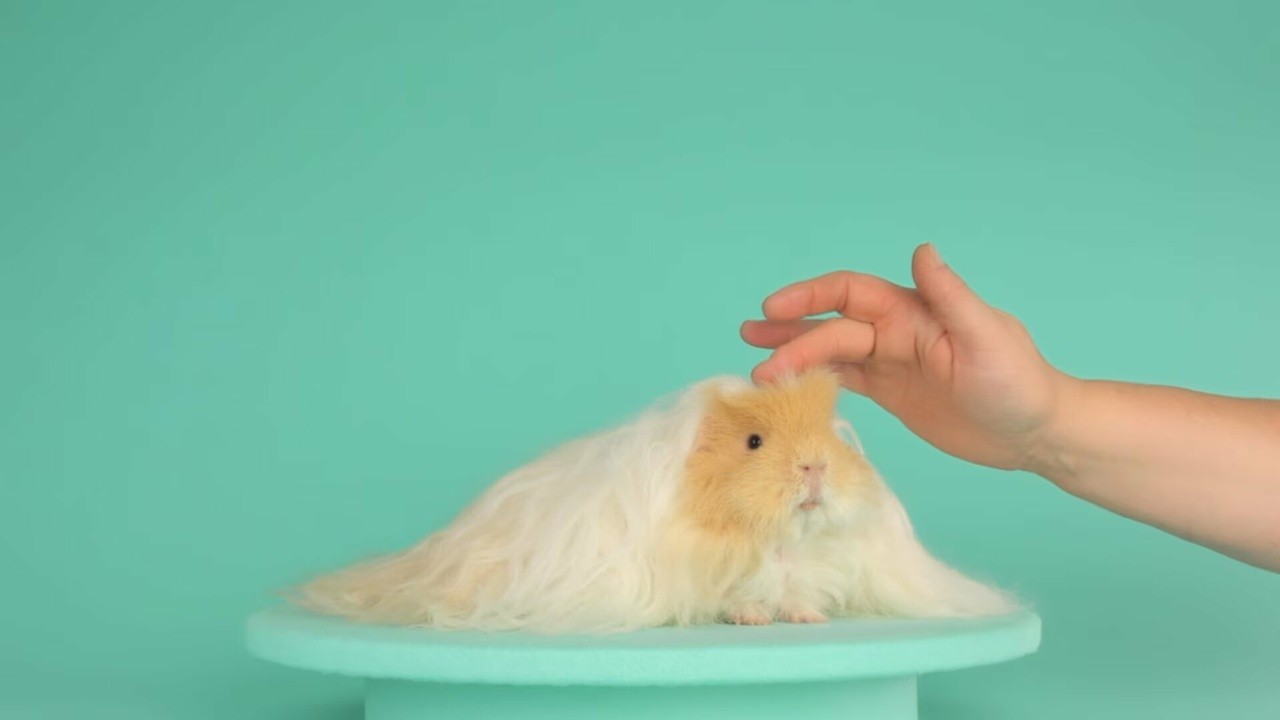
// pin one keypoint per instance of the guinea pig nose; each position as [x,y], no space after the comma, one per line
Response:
[815,468]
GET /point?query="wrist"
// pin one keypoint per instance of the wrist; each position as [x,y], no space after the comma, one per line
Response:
[1052,454]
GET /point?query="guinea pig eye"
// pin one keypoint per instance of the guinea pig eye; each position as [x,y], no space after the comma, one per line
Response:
[754,442]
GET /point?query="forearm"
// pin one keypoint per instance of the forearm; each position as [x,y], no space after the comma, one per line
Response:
[1204,467]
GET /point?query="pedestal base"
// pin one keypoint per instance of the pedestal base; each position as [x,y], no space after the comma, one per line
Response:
[863,700]
[873,699]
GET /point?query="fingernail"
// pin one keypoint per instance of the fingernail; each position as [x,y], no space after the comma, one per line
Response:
[774,299]
[935,256]
[759,374]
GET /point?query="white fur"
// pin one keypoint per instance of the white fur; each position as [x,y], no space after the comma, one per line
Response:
[580,540]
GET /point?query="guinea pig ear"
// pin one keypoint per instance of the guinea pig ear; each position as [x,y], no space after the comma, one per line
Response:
[844,429]
[717,413]
[722,405]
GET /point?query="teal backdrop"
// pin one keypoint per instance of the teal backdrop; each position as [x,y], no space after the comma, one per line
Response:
[286,283]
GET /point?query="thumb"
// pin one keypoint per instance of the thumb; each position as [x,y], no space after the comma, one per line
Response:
[957,307]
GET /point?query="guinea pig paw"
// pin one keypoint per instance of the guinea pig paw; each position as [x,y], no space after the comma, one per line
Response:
[749,615]
[802,615]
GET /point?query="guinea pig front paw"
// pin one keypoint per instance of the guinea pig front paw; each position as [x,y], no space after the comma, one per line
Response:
[748,615]
[801,614]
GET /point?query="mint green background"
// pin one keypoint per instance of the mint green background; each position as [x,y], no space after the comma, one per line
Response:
[286,283]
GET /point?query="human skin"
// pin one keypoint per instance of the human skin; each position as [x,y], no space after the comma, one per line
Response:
[967,378]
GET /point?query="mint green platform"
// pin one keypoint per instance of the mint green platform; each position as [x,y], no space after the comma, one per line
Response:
[863,669]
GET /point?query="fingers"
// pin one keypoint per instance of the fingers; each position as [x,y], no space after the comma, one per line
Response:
[834,341]
[956,307]
[771,334]
[861,297]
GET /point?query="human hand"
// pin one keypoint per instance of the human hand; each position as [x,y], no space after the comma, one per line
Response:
[959,373]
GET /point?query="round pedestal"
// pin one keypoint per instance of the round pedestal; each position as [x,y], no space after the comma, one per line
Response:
[848,668]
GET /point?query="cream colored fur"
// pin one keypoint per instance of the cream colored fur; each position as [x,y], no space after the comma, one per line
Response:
[590,538]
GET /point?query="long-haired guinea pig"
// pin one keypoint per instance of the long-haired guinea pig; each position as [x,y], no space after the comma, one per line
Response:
[730,503]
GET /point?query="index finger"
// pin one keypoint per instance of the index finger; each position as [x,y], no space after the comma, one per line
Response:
[865,298]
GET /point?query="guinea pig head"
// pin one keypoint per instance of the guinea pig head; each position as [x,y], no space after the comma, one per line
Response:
[768,457]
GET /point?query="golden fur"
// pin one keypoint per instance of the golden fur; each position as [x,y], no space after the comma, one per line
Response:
[673,518]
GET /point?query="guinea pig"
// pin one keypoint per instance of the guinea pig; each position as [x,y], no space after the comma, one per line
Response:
[729,502]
